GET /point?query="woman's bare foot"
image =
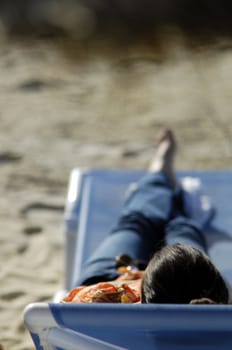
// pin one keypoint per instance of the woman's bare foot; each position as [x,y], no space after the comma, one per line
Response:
[164,157]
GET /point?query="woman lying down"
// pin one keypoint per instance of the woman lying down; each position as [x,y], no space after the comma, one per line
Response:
[157,252]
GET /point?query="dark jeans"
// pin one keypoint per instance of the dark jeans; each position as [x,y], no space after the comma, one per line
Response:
[152,216]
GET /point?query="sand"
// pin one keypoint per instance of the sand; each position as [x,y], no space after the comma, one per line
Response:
[95,104]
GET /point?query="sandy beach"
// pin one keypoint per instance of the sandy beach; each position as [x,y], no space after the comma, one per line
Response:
[92,104]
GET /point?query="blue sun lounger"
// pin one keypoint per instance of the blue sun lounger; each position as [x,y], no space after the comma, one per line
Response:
[94,200]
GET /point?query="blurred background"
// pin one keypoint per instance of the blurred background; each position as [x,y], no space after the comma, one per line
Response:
[83,17]
[90,84]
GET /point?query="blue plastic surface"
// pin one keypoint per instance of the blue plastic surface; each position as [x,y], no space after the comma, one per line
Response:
[148,327]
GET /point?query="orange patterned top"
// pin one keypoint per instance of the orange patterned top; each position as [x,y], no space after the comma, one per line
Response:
[125,289]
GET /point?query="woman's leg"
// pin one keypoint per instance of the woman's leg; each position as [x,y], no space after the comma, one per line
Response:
[185,231]
[140,228]
[180,229]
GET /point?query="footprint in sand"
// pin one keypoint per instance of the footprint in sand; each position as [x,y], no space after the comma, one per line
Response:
[41,206]
[9,157]
[11,295]
[32,230]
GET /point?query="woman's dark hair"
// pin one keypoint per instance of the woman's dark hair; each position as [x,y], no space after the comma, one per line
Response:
[181,274]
